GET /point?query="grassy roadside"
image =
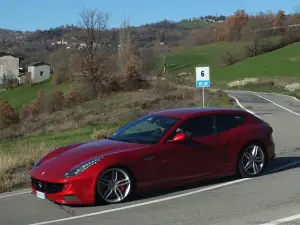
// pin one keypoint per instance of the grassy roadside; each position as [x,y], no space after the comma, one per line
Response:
[19,96]
[89,121]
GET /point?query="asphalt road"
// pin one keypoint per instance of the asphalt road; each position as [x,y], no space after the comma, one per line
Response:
[267,198]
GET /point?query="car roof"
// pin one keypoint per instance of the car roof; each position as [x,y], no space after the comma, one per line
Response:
[190,112]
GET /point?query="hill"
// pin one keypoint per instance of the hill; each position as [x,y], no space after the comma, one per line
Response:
[282,62]
[40,44]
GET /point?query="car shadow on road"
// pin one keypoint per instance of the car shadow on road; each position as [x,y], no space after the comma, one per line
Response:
[281,164]
[277,165]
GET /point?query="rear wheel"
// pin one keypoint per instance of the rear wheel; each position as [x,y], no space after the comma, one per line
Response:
[115,185]
[252,161]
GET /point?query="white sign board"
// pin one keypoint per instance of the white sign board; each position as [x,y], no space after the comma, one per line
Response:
[202,77]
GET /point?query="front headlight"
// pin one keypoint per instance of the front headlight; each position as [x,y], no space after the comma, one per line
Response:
[79,169]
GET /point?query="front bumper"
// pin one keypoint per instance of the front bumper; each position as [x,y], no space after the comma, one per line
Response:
[73,192]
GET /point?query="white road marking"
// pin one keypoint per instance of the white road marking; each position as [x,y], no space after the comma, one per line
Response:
[284,95]
[143,203]
[15,194]
[283,220]
[278,105]
[238,102]
[253,92]
[166,199]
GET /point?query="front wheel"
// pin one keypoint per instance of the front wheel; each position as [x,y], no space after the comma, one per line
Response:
[114,185]
[252,161]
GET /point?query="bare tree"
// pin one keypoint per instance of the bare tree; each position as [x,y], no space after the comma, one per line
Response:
[125,44]
[161,49]
[91,27]
[130,62]
[92,69]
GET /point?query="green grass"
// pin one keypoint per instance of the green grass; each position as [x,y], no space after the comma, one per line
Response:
[54,138]
[23,94]
[185,60]
[284,62]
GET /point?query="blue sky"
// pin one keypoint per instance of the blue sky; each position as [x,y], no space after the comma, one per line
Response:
[43,14]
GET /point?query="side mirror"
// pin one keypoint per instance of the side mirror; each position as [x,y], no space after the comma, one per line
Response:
[180,137]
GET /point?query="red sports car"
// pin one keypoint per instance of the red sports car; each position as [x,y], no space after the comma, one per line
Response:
[157,151]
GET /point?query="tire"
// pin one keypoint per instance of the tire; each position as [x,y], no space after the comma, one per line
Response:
[251,164]
[115,185]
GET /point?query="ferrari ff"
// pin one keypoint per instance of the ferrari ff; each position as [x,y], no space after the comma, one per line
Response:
[157,151]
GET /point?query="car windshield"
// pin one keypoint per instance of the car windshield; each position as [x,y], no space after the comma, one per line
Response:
[145,130]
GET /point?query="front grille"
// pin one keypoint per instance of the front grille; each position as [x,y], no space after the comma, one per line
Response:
[46,187]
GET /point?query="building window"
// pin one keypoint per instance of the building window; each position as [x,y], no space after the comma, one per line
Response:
[41,73]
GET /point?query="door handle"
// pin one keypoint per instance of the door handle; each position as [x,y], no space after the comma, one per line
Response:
[148,157]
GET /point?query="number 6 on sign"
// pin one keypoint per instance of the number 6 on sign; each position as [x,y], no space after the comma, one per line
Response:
[202,77]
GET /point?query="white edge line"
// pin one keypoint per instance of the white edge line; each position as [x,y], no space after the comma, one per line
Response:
[143,203]
[238,102]
[268,93]
[173,197]
[283,220]
[278,105]
[11,195]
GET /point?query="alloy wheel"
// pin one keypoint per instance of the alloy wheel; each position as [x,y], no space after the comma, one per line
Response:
[253,160]
[114,185]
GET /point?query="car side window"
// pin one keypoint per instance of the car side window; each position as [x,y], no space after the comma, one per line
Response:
[200,126]
[226,122]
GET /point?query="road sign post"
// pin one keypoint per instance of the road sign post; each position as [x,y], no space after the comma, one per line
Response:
[202,79]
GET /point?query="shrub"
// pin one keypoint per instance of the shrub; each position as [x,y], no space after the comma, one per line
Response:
[71,98]
[100,134]
[132,78]
[44,102]
[8,115]
[57,102]
[229,59]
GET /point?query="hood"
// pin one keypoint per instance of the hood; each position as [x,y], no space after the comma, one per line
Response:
[56,166]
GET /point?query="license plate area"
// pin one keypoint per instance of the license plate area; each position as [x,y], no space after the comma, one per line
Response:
[40,195]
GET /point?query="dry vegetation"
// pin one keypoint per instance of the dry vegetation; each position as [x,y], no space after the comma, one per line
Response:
[106,114]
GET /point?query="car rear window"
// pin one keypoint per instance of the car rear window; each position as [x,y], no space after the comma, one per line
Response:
[225,122]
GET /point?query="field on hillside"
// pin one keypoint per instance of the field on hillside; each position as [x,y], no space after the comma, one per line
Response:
[282,62]
[185,60]
[20,95]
